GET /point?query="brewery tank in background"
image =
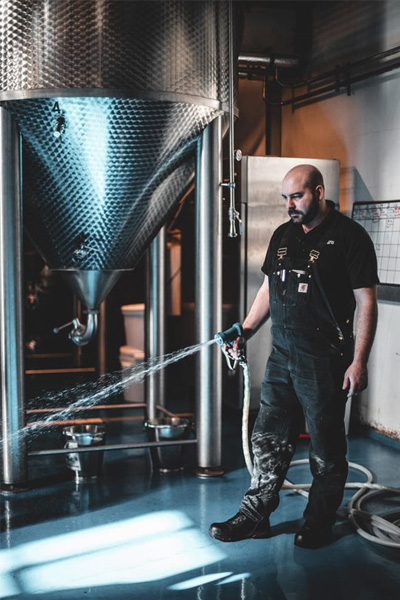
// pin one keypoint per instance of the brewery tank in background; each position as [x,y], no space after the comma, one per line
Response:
[110,97]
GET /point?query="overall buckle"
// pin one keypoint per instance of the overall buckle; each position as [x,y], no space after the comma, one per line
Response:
[281,253]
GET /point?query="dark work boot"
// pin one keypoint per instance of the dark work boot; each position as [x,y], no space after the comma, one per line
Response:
[313,537]
[239,527]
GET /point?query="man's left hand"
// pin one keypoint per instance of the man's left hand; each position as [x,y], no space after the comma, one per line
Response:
[356,378]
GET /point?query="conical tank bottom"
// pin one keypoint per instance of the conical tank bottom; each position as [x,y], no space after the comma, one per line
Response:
[110,98]
[91,287]
[98,188]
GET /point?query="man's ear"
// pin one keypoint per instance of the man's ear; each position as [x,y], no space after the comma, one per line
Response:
[320,191]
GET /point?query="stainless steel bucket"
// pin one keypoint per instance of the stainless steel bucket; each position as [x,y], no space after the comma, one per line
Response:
[167,459]
[86,465]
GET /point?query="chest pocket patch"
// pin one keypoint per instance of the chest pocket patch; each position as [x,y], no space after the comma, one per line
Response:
[303,288]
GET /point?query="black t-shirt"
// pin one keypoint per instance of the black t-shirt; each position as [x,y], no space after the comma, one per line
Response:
[347,258]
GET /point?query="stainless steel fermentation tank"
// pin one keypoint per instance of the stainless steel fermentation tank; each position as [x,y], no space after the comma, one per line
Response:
[110,97]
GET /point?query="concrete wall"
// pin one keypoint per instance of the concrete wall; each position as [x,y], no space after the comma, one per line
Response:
[363,132]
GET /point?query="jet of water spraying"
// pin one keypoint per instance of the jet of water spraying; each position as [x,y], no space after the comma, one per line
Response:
[106,386]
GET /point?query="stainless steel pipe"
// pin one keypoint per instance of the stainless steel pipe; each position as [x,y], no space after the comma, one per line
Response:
[233,213]
[209,297]
[82,334]
[102,339]
[156,321]
[283,62]
[106,447]
[11,315]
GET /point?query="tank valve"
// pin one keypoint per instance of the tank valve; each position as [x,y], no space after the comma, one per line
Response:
[59,127]
[81,334]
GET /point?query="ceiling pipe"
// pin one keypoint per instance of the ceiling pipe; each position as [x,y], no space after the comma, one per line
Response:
[358,63]
[328,82]
[337,85]
[334,80]
[258,60]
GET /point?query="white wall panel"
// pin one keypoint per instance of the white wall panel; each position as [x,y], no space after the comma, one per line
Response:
[380,403]
[363,132]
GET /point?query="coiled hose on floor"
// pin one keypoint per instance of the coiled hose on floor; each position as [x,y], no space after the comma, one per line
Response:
[383,530]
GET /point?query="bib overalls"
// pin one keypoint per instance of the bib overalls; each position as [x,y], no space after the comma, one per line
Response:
[303,380]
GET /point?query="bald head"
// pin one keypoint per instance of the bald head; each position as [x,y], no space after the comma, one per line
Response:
[304,191]
[308,175]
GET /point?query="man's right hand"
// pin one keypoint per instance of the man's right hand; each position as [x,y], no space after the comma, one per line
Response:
[236,350]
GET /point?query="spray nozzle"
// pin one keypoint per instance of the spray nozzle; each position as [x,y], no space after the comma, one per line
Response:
[225,340]
[229,335]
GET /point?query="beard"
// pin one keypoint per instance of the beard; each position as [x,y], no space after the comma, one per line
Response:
[304,217]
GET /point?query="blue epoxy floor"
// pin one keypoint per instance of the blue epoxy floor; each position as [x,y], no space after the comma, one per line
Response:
[133,535]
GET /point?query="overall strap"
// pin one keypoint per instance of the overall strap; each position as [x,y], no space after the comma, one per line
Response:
[283,248]
[313,263]
[318,281]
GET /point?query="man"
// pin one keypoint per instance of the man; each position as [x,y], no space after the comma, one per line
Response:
[319,267]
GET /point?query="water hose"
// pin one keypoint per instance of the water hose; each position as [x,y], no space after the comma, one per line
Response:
[245,417]
[384,529]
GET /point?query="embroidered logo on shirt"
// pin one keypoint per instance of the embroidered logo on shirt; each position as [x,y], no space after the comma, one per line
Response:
[314,255]
[303,287]
[330,242]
